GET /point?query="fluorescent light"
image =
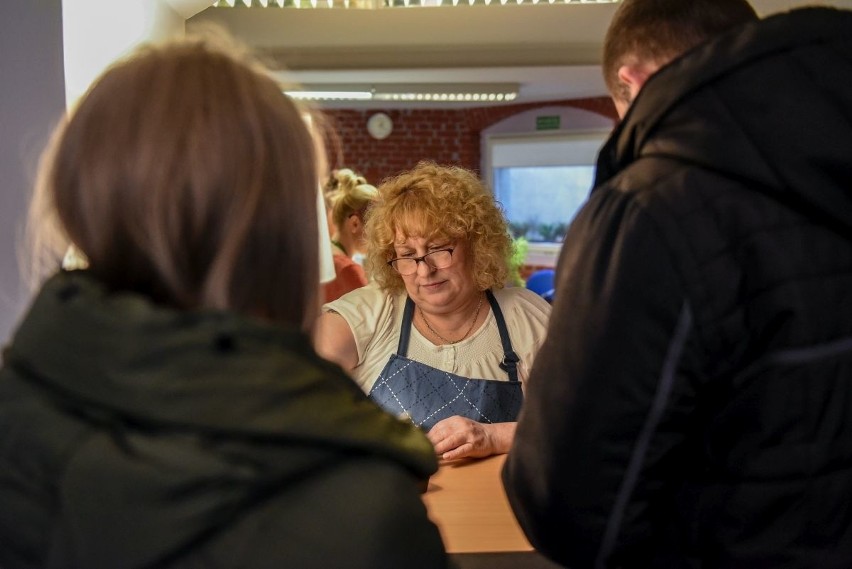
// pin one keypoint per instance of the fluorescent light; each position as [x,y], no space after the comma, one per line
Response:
[452,92]
[319,95]
[443,92]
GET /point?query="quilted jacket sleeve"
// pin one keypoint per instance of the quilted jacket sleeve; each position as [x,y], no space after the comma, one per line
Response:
[609,397]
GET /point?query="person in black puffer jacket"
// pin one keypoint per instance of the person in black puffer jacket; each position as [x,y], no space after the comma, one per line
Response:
[163,407]
[692,404]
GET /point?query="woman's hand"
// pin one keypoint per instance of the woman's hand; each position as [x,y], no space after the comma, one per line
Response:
[460,437]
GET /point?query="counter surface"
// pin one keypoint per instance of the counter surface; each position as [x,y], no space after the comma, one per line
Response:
[466,500]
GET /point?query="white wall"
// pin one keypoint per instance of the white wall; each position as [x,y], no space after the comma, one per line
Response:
[97,32]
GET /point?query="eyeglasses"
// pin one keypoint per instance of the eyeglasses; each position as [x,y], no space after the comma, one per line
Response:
[440,259]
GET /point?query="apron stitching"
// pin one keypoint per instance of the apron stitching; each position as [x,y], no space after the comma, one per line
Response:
[448,403]
[384,381]
[444,406]
[461,392]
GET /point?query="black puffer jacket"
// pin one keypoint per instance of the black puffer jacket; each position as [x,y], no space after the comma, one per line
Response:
[134,436]
[692,406]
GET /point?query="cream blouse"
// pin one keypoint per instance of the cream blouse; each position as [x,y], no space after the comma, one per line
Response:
[375,318]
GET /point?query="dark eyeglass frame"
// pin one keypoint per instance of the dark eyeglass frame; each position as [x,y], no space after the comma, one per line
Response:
[422,259]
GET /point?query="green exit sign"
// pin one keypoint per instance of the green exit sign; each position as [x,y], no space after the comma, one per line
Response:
[547,123]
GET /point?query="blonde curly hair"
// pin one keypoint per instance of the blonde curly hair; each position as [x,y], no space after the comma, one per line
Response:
[438,202]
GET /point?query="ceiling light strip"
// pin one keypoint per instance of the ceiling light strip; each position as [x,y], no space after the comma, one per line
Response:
[350,4]
[447,95]
[330,95]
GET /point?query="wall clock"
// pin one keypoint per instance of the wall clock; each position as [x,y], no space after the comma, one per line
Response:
[379,126]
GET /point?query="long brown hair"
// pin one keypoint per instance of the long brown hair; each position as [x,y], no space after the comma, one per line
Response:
[187,175]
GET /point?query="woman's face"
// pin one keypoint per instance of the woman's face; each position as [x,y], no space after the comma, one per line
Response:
[437,291]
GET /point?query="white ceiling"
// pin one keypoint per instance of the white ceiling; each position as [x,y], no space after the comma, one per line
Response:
[188,8]
[552,51]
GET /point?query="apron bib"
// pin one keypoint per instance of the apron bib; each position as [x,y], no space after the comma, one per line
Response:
[428,395]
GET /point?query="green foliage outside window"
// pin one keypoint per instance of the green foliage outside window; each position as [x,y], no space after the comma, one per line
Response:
[520,246]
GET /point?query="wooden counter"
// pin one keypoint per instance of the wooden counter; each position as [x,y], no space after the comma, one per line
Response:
[466,500]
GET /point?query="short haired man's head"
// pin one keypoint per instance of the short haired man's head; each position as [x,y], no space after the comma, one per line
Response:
[644,35]
[437,202]
[187,175]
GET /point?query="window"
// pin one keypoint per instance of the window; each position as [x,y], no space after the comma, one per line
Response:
[540,201]
[542,181]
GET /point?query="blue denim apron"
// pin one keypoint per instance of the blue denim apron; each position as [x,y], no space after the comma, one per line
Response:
[426,394]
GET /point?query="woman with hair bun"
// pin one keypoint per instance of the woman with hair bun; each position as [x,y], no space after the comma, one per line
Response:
[350,200]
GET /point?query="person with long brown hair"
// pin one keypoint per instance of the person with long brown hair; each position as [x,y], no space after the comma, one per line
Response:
[163,407]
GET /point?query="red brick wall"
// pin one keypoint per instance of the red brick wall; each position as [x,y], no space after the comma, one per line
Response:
[446,136]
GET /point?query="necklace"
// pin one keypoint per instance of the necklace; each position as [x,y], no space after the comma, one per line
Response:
[466,334]
[339,245]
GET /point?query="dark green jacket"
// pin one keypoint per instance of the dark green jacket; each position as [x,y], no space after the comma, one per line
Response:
[133,435]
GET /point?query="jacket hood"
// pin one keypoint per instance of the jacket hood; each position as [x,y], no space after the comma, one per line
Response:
[189,418]
[768,104]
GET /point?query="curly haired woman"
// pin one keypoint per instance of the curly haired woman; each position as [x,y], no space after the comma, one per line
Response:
[436,338]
